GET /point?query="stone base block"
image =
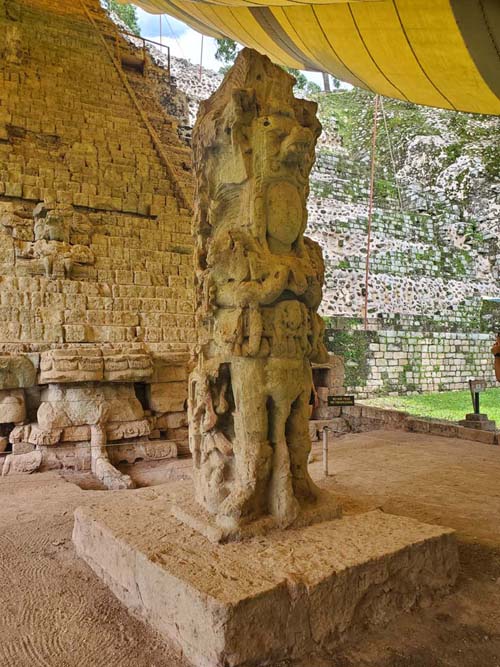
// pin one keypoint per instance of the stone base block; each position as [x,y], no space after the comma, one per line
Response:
[288,594]
[475,435]
[479,422]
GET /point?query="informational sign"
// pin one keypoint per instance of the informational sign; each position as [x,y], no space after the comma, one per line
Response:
[340,401]
[477,386]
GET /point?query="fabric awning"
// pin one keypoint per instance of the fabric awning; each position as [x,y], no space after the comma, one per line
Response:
[442,53]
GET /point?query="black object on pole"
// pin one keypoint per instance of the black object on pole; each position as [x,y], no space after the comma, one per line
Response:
[476,387]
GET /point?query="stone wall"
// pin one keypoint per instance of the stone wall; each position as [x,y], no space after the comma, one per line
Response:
[417,267]
[432,263]
[396,362]
[95,243]
[96,299]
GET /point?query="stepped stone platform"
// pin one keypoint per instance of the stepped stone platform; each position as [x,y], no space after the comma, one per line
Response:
[286,594]
[479,422]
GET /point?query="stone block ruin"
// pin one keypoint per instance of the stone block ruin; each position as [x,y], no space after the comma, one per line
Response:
[105,343]
[96,249]
[96,254]
[96,272]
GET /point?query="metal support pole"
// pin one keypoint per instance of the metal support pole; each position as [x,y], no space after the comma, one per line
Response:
[325,451]
[201,56]
[370,210]
[474,396]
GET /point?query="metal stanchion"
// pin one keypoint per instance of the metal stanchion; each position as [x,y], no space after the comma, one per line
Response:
[325,450]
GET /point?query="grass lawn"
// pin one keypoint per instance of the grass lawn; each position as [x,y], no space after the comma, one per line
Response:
[451,405]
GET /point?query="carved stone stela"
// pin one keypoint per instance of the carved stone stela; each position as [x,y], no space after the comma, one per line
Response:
[258,284]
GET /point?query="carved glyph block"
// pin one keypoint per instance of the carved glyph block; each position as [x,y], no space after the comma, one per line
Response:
[130,429]
[94,365]
[127,367]
[167,396]
[16,371]
[142,450]
[71,365]
[12,406]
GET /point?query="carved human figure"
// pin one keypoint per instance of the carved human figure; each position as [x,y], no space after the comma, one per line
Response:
[51,224]
[52,247]
[259,284]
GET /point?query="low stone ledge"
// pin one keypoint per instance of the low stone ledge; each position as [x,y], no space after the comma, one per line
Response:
[417,425]
[451,430]
[486,437]
[446,429]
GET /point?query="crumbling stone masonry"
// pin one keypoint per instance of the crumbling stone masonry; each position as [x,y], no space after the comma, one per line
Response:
[95,247]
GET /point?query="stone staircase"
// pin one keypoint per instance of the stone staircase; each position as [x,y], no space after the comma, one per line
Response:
[109,257]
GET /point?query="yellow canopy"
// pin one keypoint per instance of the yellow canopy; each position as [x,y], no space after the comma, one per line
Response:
[443,53]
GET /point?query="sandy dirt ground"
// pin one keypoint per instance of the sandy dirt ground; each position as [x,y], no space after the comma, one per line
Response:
[54,612]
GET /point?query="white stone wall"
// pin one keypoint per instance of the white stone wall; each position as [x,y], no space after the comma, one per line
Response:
[396,362]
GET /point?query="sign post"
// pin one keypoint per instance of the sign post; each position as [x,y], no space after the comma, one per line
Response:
[476,387]
[325,451]
[475,419]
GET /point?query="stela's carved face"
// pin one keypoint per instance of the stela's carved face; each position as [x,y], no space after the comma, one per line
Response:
[284,216]
[283,157]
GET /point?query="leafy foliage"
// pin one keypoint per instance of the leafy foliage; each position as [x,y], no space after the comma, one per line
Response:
[127,13]
[227,50]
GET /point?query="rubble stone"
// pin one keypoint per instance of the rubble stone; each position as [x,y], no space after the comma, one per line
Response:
[12,406]
[22,463]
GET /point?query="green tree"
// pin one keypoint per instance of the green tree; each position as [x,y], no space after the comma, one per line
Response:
[226,51]
[127,13]
[302,82]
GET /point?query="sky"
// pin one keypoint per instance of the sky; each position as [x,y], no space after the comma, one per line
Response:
[184,42]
